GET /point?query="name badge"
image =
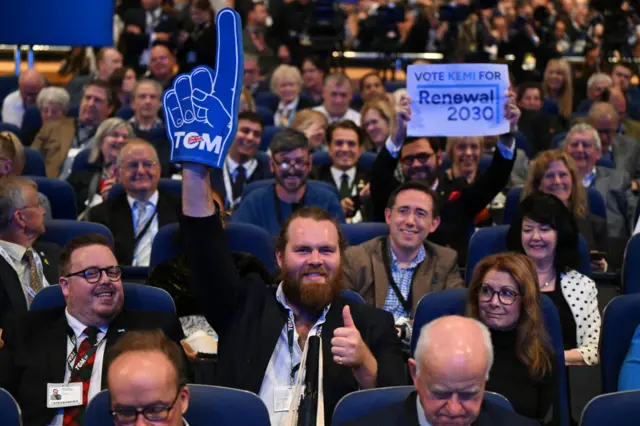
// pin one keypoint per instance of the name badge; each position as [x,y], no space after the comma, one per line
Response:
[282,396]
[61,395]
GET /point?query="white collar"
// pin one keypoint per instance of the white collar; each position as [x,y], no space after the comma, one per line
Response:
[291,106]
[79,327]
[16,251]
[250,165]
[422,419]
[337,174]
[153,200]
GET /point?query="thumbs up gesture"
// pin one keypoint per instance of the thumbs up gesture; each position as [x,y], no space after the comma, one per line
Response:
[347,345]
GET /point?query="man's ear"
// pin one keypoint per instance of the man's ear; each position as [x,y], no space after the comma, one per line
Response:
[64,286]
[434,225]
[279,259]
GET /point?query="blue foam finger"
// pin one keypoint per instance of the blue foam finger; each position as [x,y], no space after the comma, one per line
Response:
[212,99]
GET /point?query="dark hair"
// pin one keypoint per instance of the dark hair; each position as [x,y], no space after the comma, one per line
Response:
[251,116]
[416,185]
[522,88]
[150,341]
[102,52]
[434,142]
[348,125]
[288,140]
[117,77]
[254,4]
[547,209]
[77,243]
[204,5]
[309,212]
[111,96]
[367,75]
[317,62]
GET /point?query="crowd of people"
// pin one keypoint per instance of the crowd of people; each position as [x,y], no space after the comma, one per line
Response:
[316,148]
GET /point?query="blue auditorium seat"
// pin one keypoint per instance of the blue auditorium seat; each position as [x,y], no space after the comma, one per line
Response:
[60,195]
[33,163]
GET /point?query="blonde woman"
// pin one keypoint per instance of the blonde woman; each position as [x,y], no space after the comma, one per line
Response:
[558,86]
[286,83]
[378,119]
[314,125]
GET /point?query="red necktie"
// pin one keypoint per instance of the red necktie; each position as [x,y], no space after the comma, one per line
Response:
[73,415]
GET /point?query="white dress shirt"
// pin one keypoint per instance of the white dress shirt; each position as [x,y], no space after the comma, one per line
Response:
[229,172]
[351,114]
[14,255]
[13,109]
[280,365]
[96,374]
[637,230]
[143,249]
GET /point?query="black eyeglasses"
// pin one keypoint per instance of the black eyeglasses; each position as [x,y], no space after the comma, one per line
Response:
[422,158]
[93,274]
[153,413]
[506,296]
[285,165]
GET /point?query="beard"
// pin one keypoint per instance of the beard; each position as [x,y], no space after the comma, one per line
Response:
[413,173]
[311,297]
[282,177]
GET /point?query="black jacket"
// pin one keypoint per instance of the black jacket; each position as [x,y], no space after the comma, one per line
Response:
[199,48]
[35,354]
[405,414]
[362,178]
[249,320]
[457,209]
[115,214]
[12,298]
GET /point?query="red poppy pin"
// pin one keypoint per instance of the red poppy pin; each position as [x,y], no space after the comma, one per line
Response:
[455,195]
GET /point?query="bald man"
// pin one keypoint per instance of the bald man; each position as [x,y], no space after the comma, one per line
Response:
[452,361]
[108,60]
[146,378]
[29,85]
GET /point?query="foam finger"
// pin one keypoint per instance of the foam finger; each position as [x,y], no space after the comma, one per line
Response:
[184,93]
[172,107]
[229,60]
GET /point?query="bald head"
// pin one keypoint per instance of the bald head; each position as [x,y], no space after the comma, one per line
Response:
[618,100]
[30,83]
[454,342]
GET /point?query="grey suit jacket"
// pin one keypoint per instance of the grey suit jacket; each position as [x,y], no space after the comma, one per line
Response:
[365,273]
[520,169]
[615,188]
[626,153]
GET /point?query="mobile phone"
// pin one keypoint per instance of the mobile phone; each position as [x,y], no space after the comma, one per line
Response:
[597,256]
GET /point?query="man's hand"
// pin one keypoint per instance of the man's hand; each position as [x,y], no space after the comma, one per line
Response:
[403,115]
[347,345]
[106,187]
[1,341]
[133,29]
[201,108]
[365,193]
[511,111]
[347,206]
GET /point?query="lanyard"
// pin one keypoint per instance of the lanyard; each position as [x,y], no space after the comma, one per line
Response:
[406,303]
[76,364]
[294,206]
[290,338]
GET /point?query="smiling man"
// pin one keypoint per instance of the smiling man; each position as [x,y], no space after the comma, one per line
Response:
[135,215]
[242,166]
[262,335]
[271,205]
[346,142]
[63,348]
[394,272]
[451,365]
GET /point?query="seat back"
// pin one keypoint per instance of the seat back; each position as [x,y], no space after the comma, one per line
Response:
[452,302]
[620,319]
[631,266]
[136,297]
[81,162]
[268,100]
[242,237]
[619,409]
[265,114]
[31,124]
[359,403]
[60,195]
[493,240]
[358,233]
[33,163]
[268,132]
[60,231]
[352,296]
[497,399]
[313,185]
[11,413]
[207,405]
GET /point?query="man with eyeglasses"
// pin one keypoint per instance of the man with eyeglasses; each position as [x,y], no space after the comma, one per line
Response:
[64,348]
[420,158]
[135,215]
[269,206]
[26,264]
[620,151]
[146,380]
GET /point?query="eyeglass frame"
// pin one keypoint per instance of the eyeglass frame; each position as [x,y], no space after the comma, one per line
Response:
[499,293]
[404,160]
[83,273]
[139,411]
[286,165]
[127,166]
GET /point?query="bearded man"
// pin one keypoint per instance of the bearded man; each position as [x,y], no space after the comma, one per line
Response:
[262,336]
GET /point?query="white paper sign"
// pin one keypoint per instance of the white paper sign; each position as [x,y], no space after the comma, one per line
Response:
[457,99]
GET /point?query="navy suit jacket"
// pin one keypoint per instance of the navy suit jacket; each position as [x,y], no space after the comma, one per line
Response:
[405,414]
